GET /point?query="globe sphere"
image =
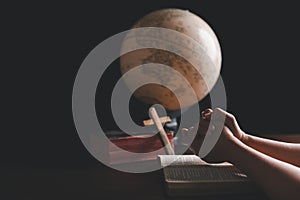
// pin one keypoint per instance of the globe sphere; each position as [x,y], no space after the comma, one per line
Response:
[204,57]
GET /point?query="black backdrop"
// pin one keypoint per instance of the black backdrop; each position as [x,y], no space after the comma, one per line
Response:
[44,45]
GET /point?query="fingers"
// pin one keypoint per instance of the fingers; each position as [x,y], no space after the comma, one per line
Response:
[202,128]
[230,120]
[206,113]
[193,133]
[187,135]
[184,131]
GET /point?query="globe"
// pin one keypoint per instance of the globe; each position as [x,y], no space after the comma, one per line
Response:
[197,62]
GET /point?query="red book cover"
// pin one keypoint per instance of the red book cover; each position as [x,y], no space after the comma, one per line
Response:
[137,144]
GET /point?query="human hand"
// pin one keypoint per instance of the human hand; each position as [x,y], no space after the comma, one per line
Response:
[230,121]
[230,133]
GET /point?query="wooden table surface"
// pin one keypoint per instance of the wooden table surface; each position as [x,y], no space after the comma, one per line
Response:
[99,182]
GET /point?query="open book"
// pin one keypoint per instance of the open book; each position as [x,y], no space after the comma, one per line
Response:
[190,175]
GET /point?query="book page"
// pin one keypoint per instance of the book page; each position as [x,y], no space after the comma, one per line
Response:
[166,160]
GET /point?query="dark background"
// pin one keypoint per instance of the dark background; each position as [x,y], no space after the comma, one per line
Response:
[44,44]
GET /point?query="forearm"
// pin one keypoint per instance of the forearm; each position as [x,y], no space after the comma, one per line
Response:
[287,152]
[278,179]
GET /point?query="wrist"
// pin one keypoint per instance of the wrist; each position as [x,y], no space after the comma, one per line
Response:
[244,138]
[233,149]
[229,148]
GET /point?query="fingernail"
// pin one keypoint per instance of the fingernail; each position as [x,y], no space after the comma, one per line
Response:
[206,114]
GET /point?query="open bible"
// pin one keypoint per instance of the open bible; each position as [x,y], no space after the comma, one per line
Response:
[190,175]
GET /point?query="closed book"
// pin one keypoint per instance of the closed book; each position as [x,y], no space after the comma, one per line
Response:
[146,148]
